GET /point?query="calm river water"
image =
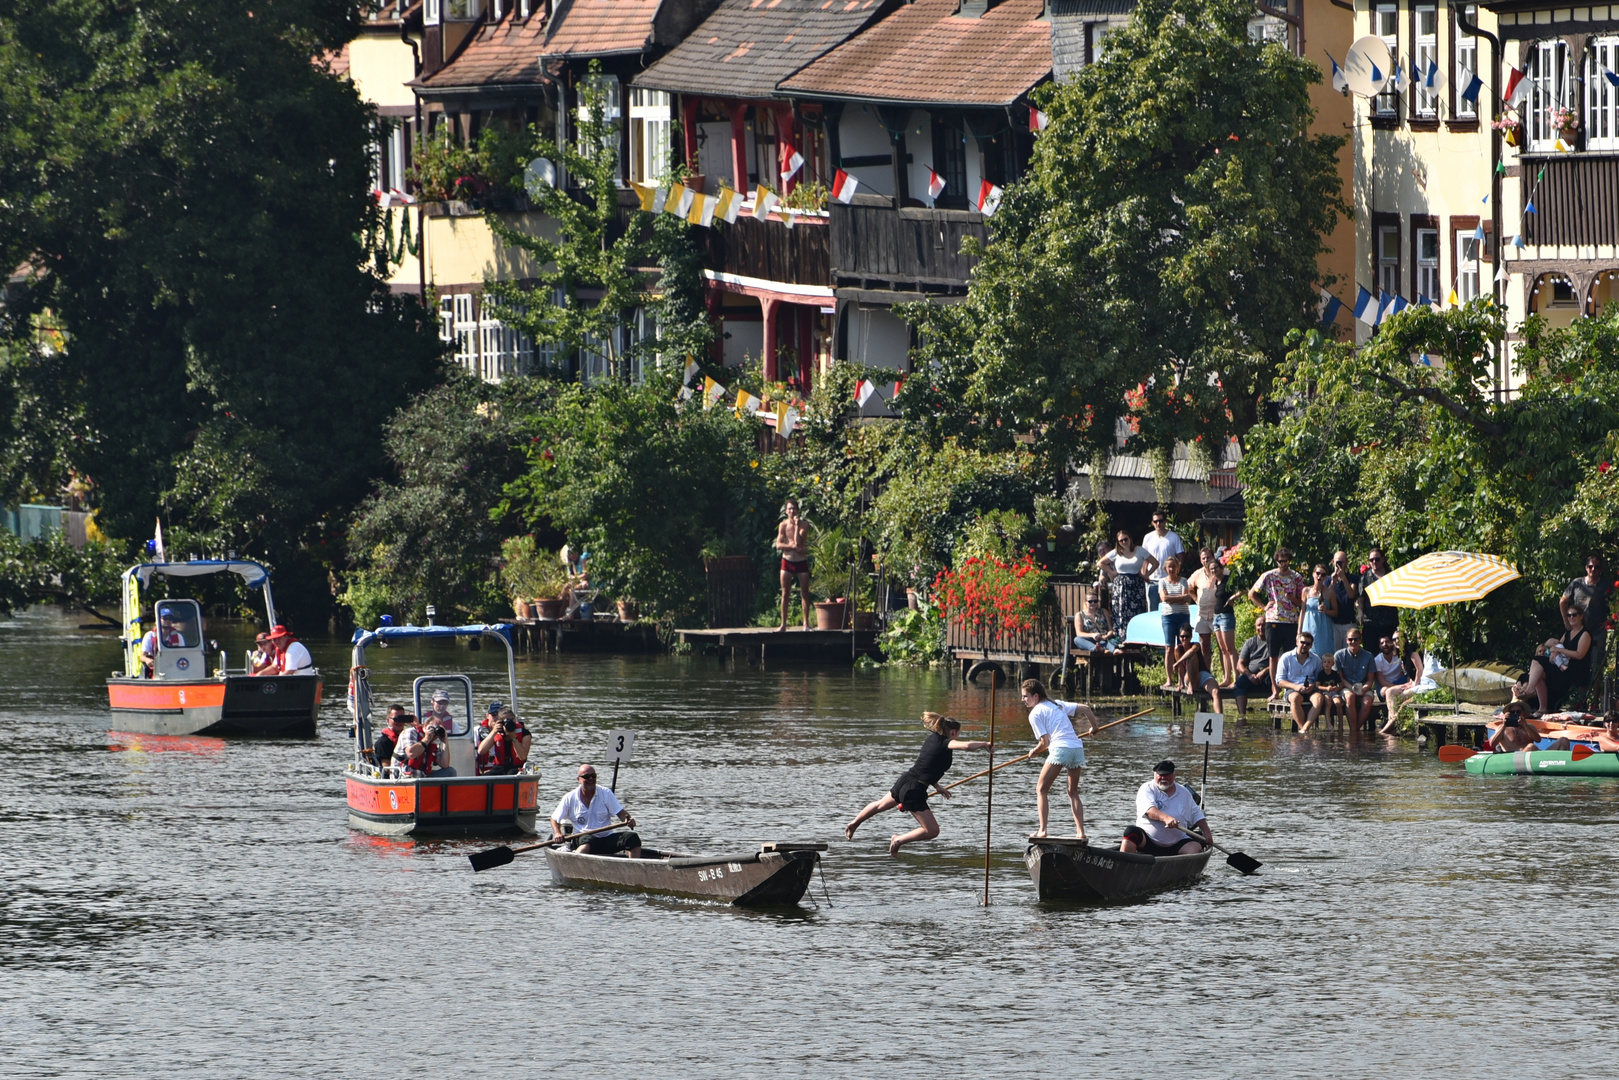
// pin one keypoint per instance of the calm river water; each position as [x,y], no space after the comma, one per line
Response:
[200,908]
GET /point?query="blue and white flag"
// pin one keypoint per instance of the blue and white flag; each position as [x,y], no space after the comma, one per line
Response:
[1474,85]
[1606,74]
[1399,78]
[1433,79]
[1330,305]
[1365,308]
[1385,306]
[1529,207]
[1400,304]
[1340,81]
[1478,232]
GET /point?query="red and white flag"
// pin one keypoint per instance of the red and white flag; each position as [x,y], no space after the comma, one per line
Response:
[1517,91]
[863,391]
[790,164]
[935,184]
[1037,119]
[989,198]
[844,187]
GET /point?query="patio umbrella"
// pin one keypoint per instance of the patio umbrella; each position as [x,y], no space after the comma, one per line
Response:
[1442,577]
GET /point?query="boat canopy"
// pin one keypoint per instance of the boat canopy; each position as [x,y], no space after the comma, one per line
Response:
[360,679]
[362,638]
[252,573]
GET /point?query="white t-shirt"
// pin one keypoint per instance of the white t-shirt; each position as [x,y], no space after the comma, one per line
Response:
[604,807]
[1392,670]
[296,660]
[1052,718]
[1161,548]
[1180,806]
[1127,564]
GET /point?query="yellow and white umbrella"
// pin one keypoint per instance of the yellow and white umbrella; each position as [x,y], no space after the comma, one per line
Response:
[1441,577]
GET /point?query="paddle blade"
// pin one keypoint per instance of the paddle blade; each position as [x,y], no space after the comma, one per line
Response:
[1242,864]
[1580,752]
[1455,753]
[488,860]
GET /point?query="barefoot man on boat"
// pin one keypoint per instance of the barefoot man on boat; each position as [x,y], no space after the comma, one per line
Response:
[1165,811]
[1053,725]
[910,791]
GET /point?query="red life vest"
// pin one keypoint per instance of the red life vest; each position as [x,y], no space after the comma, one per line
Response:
[501,752]
[424,764]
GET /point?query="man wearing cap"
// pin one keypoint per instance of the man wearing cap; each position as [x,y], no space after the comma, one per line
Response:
[1164,809]
[295,659]
[439,712]
[590,807]
[503,742]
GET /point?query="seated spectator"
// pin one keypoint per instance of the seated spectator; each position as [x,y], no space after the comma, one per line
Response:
[1356,665]
[1093,627]
[1393,683]
[295,658]
[382,745]
[1299,673]
[1421,666]
[1332,690]
[439,712]
[1608,737]
[149,654]
[1189,667]
[1559,666]
[422,750]
[503,742]
[1253,667]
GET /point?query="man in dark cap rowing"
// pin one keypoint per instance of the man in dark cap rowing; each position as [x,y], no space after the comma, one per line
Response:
[1165,811]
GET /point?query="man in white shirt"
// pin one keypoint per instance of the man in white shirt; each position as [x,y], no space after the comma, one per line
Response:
[1164,809]
[295,659]
[1161,543]
[590,807]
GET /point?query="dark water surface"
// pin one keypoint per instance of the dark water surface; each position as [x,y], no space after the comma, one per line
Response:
[200,907]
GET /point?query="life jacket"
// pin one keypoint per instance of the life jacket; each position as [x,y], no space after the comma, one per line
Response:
[429,754]
[503,751]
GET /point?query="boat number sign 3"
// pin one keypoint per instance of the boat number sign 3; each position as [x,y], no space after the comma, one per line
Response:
[716,873]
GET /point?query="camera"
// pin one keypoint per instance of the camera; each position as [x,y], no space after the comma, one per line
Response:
[507,726]
[435,731]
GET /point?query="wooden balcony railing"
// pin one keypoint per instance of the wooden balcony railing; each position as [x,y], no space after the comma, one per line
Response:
[769,250]
[1576,202]
[1045,641]
[878,247]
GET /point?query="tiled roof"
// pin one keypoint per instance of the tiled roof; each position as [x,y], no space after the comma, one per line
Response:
[336,62]
[926,54]
[748,46]
[505,54]
[600,28]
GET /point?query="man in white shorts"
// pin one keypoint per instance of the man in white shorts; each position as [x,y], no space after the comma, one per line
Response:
[1164,811]
[1054,727]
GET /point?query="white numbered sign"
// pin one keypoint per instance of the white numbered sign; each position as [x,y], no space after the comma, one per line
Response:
[1209,728]
[620,744]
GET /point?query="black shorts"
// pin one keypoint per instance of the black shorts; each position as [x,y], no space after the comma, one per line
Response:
[1138,836]
[1281,637]
[1247,684]
[607,843]
[910,793]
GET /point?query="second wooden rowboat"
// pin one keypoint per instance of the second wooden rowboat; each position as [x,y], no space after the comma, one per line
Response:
[1069,869]
[775,874]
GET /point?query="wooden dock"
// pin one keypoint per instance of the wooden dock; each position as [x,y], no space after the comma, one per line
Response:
[584,636]
[763,643]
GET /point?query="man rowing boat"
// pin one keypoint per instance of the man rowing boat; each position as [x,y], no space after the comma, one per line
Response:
[1163,811]
[910,791]
[1054,728]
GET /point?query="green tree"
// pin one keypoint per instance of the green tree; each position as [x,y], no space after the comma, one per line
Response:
[188,187]
[1146,271]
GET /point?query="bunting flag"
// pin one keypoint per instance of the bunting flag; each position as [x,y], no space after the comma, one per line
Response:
[729,205]
[746,402]
[1474,85]
[695,213]
[1433,79]
[1330,306]
[989,198]
[1340,81]
[786,419]
[1613,79]
[691,369]
[843,187]
[1517,91]
[1423,301]
[1453,300]
[1377,75]
[687,197]
[1478,231]
[1365,308]
[1385,306]
[684,395]
[862,392]
[157,541]
[659,198]
[712,392]
[1561,147]
[1037,119]
[790,165]
[789,216]
[672,201]
[763,200]
[1400,304]
[1501,274]
[646,193]
[1399,78]
[893,391]
[705,212]
[935,184]
[1529,207]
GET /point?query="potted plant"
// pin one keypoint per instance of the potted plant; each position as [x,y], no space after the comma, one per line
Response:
[1510,127]
[628,611]
[533,574]
[1049,516]
[991,595]
[1565,121]
[831,554]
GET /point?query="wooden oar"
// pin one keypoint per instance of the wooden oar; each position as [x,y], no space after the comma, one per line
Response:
[500,856]
[1453,753]
[1030,754]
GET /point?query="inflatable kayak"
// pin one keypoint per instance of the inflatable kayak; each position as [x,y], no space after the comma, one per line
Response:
[1543,763]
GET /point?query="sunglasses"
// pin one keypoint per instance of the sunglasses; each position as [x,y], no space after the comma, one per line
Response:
[587,776]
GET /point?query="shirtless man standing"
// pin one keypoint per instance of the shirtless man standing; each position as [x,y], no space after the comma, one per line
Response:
[792,540]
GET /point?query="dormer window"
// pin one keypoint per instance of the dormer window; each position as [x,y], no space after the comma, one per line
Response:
[525,8]
[430,12]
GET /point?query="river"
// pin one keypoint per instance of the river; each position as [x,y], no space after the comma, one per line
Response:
[184,908]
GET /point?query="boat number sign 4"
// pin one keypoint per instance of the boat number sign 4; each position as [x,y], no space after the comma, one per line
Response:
[1208,727]
[717,873]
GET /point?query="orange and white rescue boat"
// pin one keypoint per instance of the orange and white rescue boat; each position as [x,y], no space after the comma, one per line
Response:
[384,800]
[179,696]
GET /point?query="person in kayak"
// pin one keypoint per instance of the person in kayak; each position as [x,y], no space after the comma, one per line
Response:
[1053,726]
[910,791]
[1515,735]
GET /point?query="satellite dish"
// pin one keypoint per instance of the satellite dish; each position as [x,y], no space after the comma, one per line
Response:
[1368,66]
[540,173]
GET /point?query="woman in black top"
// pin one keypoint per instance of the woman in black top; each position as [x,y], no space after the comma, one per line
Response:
[1559,666]
[910,791]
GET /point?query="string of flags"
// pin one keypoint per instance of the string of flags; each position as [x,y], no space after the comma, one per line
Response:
[784,416]
[865,390]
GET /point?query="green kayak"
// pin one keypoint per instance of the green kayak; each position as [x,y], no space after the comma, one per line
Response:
[1543,763]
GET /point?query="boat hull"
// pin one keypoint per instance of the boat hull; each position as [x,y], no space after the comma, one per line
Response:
[1063,869]
[266,707]
[441,806]
[758,879]
[1543,763]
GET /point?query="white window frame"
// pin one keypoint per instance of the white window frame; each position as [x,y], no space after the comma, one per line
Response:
[486,347]
[1386,25]
[462,10]
[651,131]
[1388,259]
[1601,112]
[1550,83]
[1425,50]
[1466,65]
[431,12]
[1427,266]
[1467,266]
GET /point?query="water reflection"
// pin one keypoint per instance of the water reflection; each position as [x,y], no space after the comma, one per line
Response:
[135,742]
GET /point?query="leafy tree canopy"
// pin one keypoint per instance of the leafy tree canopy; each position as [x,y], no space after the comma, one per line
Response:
[1149,266]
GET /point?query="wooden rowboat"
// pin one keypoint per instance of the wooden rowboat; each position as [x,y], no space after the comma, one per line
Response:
[1068,869]
[775,874]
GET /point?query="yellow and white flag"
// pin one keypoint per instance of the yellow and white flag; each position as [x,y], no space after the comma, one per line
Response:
[712,392]
[691,369]
[646,193]
[763,200]
[659,197]
[672,203]
[786,420]
[705,213]
[746,402]
[728,206]
[698,202]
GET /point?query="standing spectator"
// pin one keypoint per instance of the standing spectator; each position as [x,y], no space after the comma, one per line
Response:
[1320,606]
[1378,620]
[1161,543]
[1346,592]
[1591,594]
[1280,593]
[1126,569]
[1175,614]
[1216,615]
[1253,667]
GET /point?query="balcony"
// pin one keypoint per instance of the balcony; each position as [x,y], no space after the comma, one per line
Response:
[766,250]
[1576,204]
[901,254]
